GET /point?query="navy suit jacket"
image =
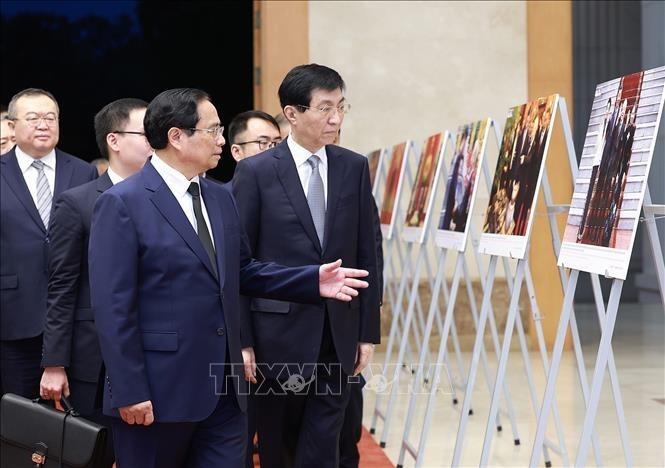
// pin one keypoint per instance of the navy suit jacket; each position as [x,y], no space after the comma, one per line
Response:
[274,211]
[24,244]
[70,338]
[166,323]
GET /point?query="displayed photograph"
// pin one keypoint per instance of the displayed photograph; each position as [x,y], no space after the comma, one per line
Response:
[391,191]
[461,183]
[373,159]
[517,177]
[423,190]
[612,175]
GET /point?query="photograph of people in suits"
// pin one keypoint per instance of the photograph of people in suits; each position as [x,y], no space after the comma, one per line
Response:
[609,172]
[462,176]
[525,139]
[392,183]
[415,214]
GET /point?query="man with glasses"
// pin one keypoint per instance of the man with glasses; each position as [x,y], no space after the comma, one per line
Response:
[71,358]
[251,132]
[31,174]
[304,201]
[167,259]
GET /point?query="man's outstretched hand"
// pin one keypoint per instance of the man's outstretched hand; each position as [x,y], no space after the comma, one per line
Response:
[340,283]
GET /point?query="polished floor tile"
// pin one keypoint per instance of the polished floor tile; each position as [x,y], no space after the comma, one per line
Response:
[639,352]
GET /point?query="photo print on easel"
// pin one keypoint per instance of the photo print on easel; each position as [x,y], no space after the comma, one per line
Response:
[461,183]
[512,202]
[421,195]
[392,189]
[373,159]
[613,173]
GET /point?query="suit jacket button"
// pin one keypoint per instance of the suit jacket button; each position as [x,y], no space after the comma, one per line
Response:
[220,331]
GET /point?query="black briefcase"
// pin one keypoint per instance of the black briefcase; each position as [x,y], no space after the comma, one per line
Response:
[34,435]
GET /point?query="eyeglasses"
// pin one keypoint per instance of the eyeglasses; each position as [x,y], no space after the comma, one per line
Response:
[263,144]
[129,133]
[214,132]
[328,110]
[34,121]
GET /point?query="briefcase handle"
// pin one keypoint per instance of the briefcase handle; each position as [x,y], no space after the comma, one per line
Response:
[64,401]
[67,406]
[39,456]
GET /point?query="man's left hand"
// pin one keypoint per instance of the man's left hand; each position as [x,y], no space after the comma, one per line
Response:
[249,362]
[340,283]
[363,356]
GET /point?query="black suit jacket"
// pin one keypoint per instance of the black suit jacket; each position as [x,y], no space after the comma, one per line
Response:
[70,338]
[24,244]
[273,209]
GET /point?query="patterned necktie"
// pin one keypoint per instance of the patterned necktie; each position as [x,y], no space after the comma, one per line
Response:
[315,197]
[44,196]
[201,226]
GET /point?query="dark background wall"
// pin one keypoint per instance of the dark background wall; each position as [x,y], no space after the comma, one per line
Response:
[90,53]
[609,41]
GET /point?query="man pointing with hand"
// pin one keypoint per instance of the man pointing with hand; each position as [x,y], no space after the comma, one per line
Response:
[168,258]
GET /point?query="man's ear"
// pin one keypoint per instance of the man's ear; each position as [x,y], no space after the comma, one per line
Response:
[290,114]
[175,136]
[112,141]
[236,152]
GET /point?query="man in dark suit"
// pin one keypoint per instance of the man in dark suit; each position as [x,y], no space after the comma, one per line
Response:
[31,174]
[251,132]
[168,258]
[72,360]
[306,201]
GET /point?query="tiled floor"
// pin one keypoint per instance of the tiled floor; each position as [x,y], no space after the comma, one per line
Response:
[639,350]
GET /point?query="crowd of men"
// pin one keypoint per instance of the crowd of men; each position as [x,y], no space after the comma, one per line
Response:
[121,285]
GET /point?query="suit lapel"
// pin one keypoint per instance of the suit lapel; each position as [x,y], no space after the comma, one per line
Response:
[335,179]
[216,224]
[103,183]
[63,173]
[16,182]
[169,207]
[288,176]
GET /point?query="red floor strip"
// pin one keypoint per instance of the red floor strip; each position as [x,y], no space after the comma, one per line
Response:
[371,455]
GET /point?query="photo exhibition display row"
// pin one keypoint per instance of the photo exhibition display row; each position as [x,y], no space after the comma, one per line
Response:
[608,193]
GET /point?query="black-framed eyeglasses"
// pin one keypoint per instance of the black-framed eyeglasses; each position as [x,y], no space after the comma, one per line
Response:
[214,132]
[263,144]
[328,110]
[122,132]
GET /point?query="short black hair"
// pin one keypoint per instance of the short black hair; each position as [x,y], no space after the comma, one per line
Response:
[112,118]
[29,92]
[239,122]
[172,108]
[298,84]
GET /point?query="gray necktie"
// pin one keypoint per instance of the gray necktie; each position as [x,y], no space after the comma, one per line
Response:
[315,197]
[44,196]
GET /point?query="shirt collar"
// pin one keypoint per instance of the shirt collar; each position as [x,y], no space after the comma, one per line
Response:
[175,180]
[301,155]
[25,160]
[114,176]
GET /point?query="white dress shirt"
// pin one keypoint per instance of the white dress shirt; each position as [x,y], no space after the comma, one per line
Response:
[178,184]
[30,173]
[300,156]
[114,176]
